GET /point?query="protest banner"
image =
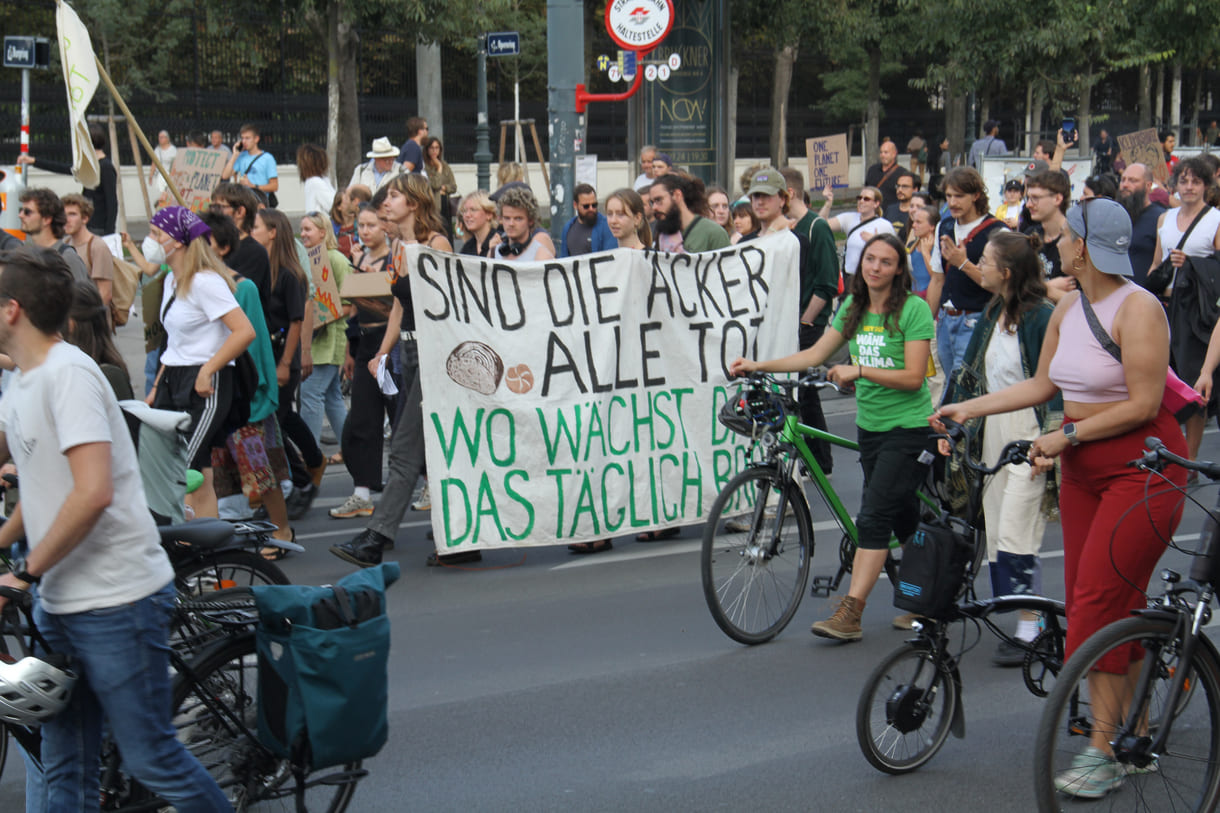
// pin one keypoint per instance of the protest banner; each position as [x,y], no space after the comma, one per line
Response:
[81,79]
[1144,147]
[326,292]
[195,172]
[828,161]
[571,400]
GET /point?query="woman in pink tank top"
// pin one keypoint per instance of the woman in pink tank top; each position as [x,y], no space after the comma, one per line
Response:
[1108,560]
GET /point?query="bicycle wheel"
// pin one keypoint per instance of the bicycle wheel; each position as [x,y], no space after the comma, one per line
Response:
[755,560]
[230,568]
[3,747]
[227,674]
[1184,776]
[905,710]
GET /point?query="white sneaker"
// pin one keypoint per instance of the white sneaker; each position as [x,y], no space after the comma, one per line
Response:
[353,506]
[424,501]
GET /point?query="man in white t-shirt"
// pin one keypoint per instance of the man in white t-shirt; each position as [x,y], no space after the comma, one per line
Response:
[106,587]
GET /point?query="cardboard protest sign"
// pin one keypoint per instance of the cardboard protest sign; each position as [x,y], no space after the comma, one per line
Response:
[571,400]
[828,161]
[1144,147]
[195,172]
[326,292]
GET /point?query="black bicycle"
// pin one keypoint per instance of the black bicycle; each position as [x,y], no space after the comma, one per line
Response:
[1161,720]
[912,701]
[215,691]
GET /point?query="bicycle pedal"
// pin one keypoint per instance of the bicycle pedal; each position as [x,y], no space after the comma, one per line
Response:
[824,586]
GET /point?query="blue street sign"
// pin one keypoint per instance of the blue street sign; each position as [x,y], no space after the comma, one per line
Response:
[19,52]
[503,43]
[628,63]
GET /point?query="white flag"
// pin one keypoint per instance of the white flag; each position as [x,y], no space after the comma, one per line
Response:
[80,77]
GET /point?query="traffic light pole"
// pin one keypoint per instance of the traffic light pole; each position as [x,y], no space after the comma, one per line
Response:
[565,70]
[482,146]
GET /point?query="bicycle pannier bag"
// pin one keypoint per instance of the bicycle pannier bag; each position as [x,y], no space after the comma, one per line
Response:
[322,655]
[932,572]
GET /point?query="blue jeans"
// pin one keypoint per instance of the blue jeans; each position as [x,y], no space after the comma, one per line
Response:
[152,363]
[122,657]
[952,337]
[320,393]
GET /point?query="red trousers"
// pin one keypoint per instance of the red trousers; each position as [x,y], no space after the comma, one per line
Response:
[1108,558]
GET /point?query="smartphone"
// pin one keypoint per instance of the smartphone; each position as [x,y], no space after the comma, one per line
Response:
[1069,130]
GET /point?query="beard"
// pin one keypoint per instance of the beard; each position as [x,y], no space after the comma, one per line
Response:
[670,223]
[1134,202]
[589,218]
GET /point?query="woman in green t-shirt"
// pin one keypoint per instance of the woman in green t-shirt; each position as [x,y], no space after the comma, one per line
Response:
[888,331]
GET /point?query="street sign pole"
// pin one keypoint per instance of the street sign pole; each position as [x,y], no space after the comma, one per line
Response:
[482,147]
[25,119]
[565,25]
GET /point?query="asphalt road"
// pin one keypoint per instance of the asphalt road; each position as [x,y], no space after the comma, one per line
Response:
[541,681]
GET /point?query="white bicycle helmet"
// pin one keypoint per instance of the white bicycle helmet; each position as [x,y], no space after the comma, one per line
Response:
[34,689]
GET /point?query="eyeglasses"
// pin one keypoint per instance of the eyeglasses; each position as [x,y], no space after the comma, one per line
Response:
[865,197]
[26,210]
[592,205]
[1036,198]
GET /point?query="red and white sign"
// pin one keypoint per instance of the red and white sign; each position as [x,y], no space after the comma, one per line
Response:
[639,25]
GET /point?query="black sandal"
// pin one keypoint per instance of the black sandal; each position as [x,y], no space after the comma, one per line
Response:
[600,546]
[273,553]
[658,536]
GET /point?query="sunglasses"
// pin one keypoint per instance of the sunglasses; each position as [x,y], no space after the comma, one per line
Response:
[866,197]
[26,210]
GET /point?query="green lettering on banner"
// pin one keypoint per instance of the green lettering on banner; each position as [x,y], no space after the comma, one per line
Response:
[596,430]
[459,426]
[616,400]
[611,527]
[520,499]
[558,475]
[561,428]
[660,498]
[584,505]
[447,509]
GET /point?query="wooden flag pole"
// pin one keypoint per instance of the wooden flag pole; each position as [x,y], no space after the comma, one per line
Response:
[131,120]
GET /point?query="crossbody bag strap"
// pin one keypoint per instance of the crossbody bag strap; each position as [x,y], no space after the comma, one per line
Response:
[1191,227]
[1103,338]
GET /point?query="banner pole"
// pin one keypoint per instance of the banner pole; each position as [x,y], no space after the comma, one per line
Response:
[131,120]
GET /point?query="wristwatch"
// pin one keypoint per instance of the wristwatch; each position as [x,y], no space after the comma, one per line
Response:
[20,572]
[1069,432]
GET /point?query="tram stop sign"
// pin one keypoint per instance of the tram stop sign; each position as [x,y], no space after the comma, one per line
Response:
[639,25]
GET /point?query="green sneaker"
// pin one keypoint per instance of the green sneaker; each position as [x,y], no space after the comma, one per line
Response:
[1093,774]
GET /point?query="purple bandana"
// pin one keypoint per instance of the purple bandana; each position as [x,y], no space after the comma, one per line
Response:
[181,224]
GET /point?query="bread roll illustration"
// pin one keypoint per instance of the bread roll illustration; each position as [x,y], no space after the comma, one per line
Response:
[475,366]
[519,379]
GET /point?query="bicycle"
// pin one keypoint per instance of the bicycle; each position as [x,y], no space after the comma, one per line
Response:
[1165,737]
[754,563]
[214,693]
[912,700]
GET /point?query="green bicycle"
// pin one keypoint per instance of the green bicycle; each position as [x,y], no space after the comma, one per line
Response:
[758,540]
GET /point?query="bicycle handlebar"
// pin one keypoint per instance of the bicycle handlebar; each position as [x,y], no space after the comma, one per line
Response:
[813,377]
[1157,455]
[1014,452]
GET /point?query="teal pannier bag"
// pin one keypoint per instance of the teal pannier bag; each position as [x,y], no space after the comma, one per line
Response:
[322,655]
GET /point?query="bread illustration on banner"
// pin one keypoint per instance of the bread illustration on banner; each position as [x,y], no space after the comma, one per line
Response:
[519,379]
[475,366]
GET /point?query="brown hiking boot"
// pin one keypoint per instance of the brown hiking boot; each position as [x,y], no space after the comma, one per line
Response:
[844,623]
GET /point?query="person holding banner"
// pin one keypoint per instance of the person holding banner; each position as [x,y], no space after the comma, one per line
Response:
[410,206]
[888,331]
[628,220]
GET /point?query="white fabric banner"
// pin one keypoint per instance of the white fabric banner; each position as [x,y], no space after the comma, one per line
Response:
[81,80]
[573,400]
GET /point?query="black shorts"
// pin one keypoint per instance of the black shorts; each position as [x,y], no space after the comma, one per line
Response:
[208,415]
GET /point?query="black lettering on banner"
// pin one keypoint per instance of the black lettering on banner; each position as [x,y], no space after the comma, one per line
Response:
[754,273]
[646,354]
[728,285]
[421,268]
[701,328]
[553,344]
[660,285]
[673,268]
[703,267]
[621,383]
[496,271]
[597,386]
[732,326]
[550,295]
[599,291]
[469,292]
[580,293]
[755,321]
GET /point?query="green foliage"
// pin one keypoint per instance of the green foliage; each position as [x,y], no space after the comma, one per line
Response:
[143,39]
